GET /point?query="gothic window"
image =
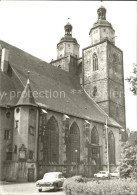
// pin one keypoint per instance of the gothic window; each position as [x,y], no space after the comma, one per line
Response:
[95,62]
[116,92]
[31,130]
[8,115]
[52,141]
[111,147]
[117,111]
[7,134]
[115,62]
[74,143]
[31,154]
[94,136]
[9,152]
[94,91]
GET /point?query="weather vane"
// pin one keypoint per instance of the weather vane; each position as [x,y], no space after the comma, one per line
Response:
[68,19]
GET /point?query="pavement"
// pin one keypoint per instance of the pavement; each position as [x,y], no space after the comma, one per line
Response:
[10,188]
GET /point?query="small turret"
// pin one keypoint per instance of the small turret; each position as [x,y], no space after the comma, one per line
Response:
[68,45]
[102,29]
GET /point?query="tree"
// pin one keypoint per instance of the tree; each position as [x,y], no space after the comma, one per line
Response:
[128,163]
[133,80]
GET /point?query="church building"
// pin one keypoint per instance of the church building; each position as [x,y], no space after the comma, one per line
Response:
[66,115]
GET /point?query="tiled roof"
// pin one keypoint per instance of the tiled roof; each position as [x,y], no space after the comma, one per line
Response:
[47,82]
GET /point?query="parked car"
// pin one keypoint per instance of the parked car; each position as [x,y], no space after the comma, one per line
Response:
[101,174]
[115,174]
[51,180]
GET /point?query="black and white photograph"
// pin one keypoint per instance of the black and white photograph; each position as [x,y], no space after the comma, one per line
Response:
[68,97]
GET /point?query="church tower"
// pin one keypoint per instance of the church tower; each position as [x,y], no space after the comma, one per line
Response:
[68,45]
[67,52]
[103,76]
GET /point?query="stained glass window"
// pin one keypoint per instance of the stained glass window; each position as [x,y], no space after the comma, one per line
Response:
[74,143]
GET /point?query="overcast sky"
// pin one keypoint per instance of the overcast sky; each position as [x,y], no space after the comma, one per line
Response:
[37,26]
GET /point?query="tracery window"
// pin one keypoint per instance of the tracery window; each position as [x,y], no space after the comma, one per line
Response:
[95,62]
[94,91]
[94,136]
[111,147]
[52,141]
[74,143]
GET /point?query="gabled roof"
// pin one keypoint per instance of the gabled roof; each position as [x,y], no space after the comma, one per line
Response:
[26,97]
[52,87]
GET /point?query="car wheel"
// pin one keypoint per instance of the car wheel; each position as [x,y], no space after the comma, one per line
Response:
[40,190]
[56,187]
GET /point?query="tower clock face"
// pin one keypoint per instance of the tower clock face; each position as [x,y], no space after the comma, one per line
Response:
[60,47]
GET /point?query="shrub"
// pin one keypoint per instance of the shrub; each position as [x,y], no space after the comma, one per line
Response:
[79,186]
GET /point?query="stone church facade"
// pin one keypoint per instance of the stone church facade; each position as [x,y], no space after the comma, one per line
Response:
[54,117]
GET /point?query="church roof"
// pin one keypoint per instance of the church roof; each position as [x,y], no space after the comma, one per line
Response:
[52,87]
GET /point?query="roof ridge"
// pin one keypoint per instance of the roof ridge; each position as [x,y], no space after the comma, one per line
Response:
[21,50]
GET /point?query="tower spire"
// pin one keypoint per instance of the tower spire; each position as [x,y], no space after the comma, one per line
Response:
[28,81]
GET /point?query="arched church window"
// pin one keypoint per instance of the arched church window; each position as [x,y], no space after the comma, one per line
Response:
[117,111]
[111,147]
[8,115]
[115,62]
[74,143]
[95,62]
[94,136]
[94,91]
[51,141]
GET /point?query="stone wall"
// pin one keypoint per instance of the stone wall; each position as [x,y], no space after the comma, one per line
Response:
[6,123]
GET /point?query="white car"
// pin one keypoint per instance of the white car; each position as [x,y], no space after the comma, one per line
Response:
[102,174]
[115,174]
[51,180]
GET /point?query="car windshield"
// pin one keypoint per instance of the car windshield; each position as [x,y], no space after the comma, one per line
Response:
[50,175]
[102,172]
